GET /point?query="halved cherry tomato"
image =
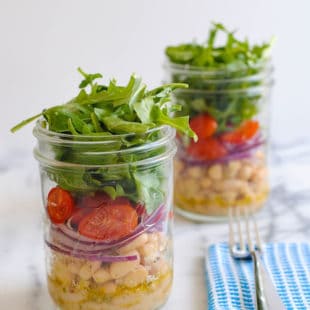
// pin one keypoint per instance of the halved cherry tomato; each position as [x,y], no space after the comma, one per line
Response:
[245,132]
[204,125]
[60,204]
[207,149]
[110,222]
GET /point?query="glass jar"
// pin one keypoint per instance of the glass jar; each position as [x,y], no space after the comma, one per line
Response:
[229,167]
[114,251]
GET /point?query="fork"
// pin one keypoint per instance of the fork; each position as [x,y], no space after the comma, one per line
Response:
[265,292]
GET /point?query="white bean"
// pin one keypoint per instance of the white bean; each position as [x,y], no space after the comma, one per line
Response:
[85,272]
[137,242]
[162,241]
[109,287]
[120,269]
[102,275]
[74,267]
[135,277]
[159,266]
[62,273]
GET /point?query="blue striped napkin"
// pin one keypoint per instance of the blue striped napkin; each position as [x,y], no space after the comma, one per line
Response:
[230,283]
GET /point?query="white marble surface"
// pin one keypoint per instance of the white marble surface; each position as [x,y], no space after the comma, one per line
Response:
[22,274]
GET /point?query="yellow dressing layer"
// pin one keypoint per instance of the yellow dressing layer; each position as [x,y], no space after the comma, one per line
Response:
[92,293]
[189,203]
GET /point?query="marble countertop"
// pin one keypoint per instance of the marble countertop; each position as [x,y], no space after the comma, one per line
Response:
[22,276]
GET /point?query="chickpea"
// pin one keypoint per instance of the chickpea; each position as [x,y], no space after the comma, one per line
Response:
[260,155]
[233,168]
[230,196]
[194,172]
[178,166]
[190,186]
[216,172]
[262,173]
[205,183]
[230,185]
[246,172]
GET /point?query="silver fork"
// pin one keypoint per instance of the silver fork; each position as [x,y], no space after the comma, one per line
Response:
[265,292]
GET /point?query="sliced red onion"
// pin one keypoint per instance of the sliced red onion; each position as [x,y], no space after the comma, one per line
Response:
[242,152]
[71,241]
[92,257]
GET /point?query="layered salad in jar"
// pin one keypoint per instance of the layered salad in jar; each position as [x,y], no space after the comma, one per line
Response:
[106,174]
[227,101]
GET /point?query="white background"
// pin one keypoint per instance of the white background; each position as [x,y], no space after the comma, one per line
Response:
[43,42]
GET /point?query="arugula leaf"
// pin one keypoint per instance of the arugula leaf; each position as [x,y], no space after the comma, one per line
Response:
[219,69]
[25,122]
[116,125]
[102,111]
[150,188]
[211,55]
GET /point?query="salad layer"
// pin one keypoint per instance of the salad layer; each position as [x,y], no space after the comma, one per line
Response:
[226,100]
[106,171]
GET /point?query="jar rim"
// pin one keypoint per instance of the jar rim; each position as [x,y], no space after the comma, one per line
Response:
[57,137]
[240,91]
[214,71]
[61,140]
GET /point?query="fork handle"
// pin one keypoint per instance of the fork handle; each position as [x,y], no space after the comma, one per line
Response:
[267,297]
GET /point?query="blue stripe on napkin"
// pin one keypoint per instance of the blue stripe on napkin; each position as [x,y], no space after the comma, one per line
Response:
[230,282]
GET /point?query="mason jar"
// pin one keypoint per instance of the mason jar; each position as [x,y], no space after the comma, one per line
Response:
[229,111]
[106,247]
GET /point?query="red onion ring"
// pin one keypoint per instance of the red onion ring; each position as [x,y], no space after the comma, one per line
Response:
[69,241]
[92,257]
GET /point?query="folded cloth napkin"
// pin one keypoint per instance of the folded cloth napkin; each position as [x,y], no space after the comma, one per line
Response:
[230,282]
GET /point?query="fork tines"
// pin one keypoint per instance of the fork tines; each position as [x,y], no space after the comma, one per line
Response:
[248,238]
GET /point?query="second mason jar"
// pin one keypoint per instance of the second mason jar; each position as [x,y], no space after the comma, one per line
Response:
[229,111]
[110,253]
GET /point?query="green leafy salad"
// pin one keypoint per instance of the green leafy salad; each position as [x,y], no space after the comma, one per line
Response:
[126,117]
[224,79]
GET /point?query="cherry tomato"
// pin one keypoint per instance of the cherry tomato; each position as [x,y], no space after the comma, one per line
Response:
[204,125]
[245,132]
[207,149]
[60,204]
[110,222]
